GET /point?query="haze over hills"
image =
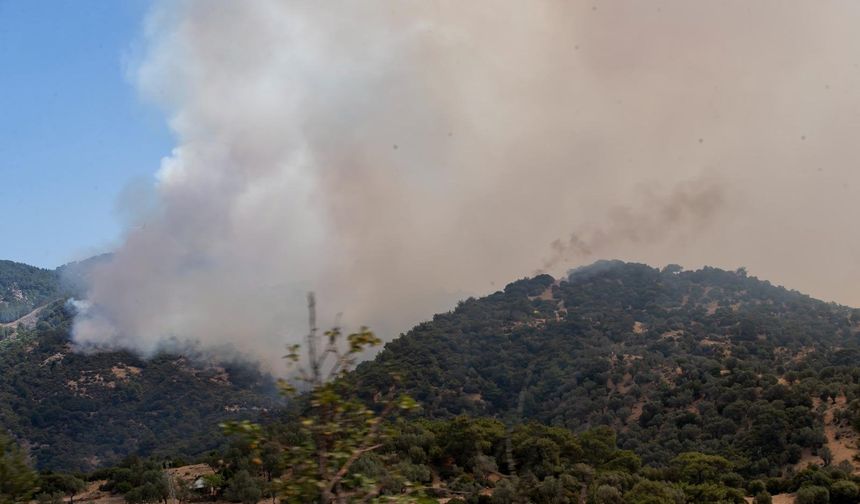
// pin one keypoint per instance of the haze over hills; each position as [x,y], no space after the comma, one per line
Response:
[24,288]
[395,161]
[78,411]
[673,360]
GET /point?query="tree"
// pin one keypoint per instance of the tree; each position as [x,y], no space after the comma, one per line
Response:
[66,484]
[17,480]
[697,468]
[336,428]
[155,487]
[243,488]
[608,495]
[812,495]
[763,498]
[714,493]
[181,490]
[654,492]
[212,484]
[844,492]
[465,439]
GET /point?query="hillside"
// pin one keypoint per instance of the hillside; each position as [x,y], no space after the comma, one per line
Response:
[675,361]
[76,412]
[24,287]
[714,385]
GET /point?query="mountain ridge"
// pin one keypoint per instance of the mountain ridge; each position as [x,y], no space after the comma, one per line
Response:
[673,360]
[706,360]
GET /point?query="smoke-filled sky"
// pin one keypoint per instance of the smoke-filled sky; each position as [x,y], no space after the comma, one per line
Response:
[397,156]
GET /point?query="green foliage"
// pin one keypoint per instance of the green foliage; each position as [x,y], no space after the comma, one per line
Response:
[713,493]
[212,484]
[425,456]
[844,492]
[608,495]
[654,492]
[50,498]
[61,484]
[763,498]
[17,480]
[23,288]
[698,468]
[621,383]
[464,439]
[673,361]
[75,408]
[336,433]
[243,488]
[812,495]
[139,481]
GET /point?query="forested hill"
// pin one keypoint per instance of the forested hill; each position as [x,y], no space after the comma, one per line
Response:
[710,360]
[674,361]
[24,287]
[76,411]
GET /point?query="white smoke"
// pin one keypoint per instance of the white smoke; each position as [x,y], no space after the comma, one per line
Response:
[396,156]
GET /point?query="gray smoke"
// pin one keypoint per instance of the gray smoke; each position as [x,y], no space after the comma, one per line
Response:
[396,156]
[678,217]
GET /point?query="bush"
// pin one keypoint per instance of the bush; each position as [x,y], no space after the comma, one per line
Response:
[653,492]
[813,495]
[763,498]
[50,498]
[243,488]
[756,487]
[609,495]
[844,492]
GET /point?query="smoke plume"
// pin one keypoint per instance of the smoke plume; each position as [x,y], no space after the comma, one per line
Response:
[396,156]
[679,216]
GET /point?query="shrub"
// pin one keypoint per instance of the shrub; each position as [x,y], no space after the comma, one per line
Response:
[813,495]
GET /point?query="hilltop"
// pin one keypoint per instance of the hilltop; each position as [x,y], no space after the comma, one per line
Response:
[674,361]
[618,379]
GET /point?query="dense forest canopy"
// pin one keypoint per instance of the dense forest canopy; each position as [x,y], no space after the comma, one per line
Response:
[673,360]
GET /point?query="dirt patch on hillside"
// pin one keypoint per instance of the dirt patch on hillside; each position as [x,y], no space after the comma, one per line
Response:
[777,499]
[672,335]
[96,496]
[28,321]
[842,440]
[192,472]
[784,499]
[122,372]
[841,437]
[636,411]
[623,386]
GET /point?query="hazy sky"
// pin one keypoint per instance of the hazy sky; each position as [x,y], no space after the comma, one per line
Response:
[395,157]
[73,132]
